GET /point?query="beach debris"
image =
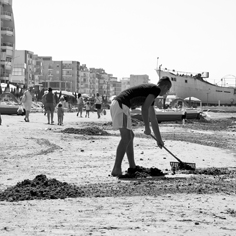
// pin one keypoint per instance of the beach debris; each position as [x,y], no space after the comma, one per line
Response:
[93,130]
[40,188]
[142,172]
[214,171]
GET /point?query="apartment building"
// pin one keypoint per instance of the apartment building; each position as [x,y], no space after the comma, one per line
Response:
[115,86]
[93,83]
[84,80]
[103,81]
[125,83]
[7,40]
[23,70]
[138,79]
[60,75]
[38,69]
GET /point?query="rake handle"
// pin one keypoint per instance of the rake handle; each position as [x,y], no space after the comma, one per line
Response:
[168,150]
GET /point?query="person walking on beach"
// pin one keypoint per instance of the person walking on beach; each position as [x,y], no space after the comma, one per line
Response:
[87,109]
[50,105]
[143,95]
[44,103]
[27,103]
[80,104]
[98,104]
[60,113]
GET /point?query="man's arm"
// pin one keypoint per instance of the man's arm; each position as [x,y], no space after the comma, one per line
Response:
[155,126]
[145,113]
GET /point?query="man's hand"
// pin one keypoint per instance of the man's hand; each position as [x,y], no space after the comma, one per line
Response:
[160,144]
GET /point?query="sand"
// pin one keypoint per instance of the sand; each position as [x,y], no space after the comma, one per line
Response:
[202,205]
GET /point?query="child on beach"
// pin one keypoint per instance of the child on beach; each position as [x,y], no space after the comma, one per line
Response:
[87,109]
[60,113]
[143,95]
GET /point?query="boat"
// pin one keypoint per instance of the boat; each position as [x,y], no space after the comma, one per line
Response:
[8,104]
[9,109]
[186,84]
[163,115]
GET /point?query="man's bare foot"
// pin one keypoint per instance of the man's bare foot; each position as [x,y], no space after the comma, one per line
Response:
[116,172]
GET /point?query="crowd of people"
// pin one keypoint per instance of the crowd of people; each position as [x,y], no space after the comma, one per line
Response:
[52,102]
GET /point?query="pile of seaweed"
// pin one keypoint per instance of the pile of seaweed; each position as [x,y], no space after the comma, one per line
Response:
[92,130]
[40,188]
[214,171]
[142,172]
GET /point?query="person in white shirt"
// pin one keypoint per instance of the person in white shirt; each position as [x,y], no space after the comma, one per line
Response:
[80,104]
[98,104]
[27,102]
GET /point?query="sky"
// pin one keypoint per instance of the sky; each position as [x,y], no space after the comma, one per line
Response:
[126,37]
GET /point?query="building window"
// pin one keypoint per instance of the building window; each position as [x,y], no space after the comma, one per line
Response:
[186,81]
[18,71]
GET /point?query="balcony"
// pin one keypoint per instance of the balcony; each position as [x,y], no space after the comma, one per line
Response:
[7,64]
[6,15]
[9,53]
[6,2]
[7,31]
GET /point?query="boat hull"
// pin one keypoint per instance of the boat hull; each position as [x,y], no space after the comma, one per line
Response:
[163,116]
[8,110]
[187,85]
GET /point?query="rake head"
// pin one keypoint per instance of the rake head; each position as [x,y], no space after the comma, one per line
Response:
[182,166]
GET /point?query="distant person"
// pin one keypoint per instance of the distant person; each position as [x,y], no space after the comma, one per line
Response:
[27,103]
[60,113]
[80,105]
[50,105]
[143,95]
[62,101]
[44,103]
[87,109]
[98,104]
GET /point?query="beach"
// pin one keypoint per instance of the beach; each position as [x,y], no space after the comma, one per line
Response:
[81,153]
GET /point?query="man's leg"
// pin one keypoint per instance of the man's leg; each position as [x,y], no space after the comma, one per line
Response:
[81,111]
[52,113]
[48,116]
[27,115]
[130,151]
[126,137]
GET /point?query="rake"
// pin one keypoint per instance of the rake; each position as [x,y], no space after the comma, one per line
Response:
[180,165]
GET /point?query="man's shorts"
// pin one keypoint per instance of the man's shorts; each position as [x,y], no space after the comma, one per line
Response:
[49,107]
[121,117]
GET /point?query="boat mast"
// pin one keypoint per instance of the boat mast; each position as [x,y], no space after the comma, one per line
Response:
[158,68]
